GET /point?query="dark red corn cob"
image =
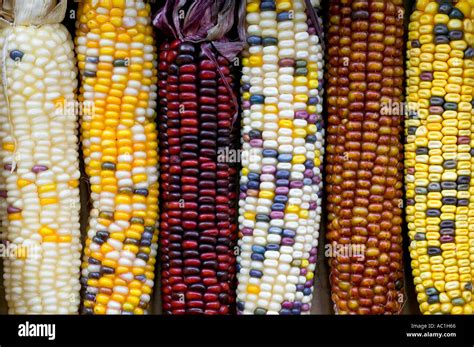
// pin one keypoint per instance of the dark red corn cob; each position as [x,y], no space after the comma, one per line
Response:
[198,186]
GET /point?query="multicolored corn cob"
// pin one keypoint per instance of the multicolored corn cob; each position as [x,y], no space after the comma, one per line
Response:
[117,61]
[283,146]
[39,160]
[439,155]
[198,185]
[364,155]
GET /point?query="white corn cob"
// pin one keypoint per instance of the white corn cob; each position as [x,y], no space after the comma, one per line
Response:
[282,105]
[39,161]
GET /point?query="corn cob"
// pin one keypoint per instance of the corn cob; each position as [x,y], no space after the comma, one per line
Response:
[198,230]
[364,177]
[280,200]
[39,159]
[117,62]
[439,155]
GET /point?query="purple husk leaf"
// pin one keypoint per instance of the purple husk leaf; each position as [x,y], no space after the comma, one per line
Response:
[225,21]
[228,49]
[241,23]
[199,20]
[162,22]
[177,24]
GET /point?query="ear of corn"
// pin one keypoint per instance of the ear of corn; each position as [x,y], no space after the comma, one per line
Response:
[280,201]
[117,61]
[198,228]
[438,165]
[364,182]
[39,163]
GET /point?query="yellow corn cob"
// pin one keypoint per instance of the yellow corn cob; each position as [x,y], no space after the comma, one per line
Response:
[440,155]
[117,61]
[39,162]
